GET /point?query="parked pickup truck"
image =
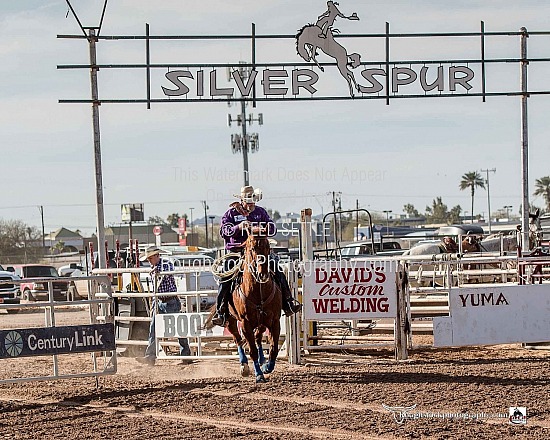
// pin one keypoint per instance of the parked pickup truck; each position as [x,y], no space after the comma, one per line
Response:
[32,290]
[8,289]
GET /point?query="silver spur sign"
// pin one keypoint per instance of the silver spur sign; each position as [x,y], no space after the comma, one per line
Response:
[318,45]
[318,61]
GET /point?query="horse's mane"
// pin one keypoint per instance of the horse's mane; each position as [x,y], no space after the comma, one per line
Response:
[299,34]
[254,240]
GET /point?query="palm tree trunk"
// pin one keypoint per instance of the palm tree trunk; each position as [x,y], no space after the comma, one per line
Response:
[472,213]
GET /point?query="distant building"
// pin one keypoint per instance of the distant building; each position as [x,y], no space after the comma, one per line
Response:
[72,241]
[143,233]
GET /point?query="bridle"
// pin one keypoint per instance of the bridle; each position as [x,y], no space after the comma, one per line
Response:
[255,263]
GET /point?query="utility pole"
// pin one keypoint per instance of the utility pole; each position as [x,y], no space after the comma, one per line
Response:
[524,145]
[192,241]
[41,209]
[492,170]
[507,208]
[357,219]
[211,217]
[244,142]
[336,206]
[205,206]
[388,212]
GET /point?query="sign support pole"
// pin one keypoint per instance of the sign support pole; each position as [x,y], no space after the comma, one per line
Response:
[524,144]
[97,152]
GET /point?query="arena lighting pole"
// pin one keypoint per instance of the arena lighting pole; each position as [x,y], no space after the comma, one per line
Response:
[493,170]
[245,142]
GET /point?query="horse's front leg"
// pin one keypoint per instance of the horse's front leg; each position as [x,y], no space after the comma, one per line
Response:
[248,333]
[245,369]
[232,327]
[274,333]
[259,334]
[313,54]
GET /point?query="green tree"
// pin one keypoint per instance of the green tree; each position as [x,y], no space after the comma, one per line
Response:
[472,180]
[172,219]
[454,214]
[58,247]
[542,188]
[275,215]
[19,243]
[410,210]
[156,220]
[438,212]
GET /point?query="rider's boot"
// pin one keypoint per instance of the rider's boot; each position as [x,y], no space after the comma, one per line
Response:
[220,317]
[290,305]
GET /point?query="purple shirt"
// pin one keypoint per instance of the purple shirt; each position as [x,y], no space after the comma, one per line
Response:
[233,236]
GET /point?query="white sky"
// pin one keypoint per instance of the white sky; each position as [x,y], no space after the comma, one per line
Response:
[176,154]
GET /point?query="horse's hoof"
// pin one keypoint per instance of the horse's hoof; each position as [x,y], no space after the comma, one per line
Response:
[261,379]
[245,370]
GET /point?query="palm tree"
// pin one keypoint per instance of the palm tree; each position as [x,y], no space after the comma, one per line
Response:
[542,186]
[472,180]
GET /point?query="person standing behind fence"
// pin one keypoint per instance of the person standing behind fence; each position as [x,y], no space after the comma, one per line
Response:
[164,304]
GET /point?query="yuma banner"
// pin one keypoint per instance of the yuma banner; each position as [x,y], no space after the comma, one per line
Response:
[56,340]
[349,289]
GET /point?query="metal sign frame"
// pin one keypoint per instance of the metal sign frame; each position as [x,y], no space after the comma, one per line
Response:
[251,95]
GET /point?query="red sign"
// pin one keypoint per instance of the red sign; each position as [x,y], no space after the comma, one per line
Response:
[349,289]
[158,230]
[182,227]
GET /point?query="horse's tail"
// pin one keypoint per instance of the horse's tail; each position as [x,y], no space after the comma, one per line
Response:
[301,45]
[354,60]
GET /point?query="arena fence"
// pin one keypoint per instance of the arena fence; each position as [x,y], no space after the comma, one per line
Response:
[135,311]
[75,349]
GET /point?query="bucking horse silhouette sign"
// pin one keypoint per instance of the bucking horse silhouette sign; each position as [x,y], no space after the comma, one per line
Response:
[321,36]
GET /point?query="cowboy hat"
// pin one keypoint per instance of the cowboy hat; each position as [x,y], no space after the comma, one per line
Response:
[250,195]
[149,252]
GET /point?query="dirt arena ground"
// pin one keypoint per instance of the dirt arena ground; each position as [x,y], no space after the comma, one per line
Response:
[329,396]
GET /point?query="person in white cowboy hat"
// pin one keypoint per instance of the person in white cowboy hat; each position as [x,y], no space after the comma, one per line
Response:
[241,217]
[163,304]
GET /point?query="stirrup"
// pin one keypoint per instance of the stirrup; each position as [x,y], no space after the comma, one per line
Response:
[219,319]
[292,307]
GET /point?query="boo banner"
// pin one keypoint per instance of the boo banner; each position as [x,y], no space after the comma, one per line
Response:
[349,289]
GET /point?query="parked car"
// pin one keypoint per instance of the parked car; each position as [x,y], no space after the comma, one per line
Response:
[456,230]
[363,248]
[31,290]
[8,289]
[67,271]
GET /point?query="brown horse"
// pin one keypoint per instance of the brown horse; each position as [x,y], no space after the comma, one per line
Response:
[256,303]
